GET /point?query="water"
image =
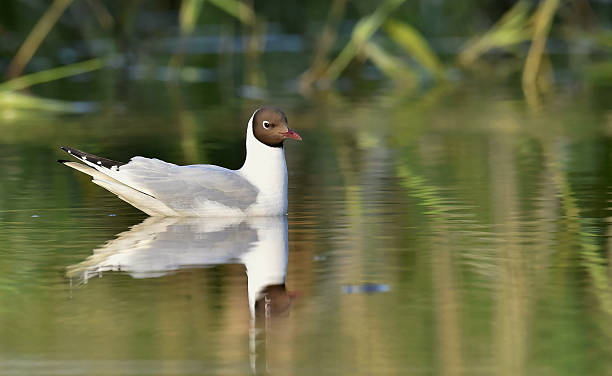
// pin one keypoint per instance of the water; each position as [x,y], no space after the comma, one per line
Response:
[459,232]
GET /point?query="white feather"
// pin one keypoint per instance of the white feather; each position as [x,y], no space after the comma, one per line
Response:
[156,187]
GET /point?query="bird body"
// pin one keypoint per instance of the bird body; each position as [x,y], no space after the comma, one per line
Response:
[160,188]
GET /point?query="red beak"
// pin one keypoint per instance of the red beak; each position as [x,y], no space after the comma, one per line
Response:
[291,134]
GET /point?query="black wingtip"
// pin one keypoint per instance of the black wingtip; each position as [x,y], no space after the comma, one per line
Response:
[62,161]
[91,158]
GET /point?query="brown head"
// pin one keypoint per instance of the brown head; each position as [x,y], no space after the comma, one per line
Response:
[270,127]
[274,301]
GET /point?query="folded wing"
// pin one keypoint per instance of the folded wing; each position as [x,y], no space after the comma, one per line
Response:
[161,188]
[186,188]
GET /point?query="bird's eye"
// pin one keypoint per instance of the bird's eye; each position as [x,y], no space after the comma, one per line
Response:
[266,124]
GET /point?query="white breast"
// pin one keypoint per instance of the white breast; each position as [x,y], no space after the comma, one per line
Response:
[266,169]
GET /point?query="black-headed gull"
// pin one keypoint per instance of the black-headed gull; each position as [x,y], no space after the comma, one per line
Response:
[160,188]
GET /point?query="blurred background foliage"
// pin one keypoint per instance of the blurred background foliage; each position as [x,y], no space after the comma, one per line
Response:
[307,47]
[457,151]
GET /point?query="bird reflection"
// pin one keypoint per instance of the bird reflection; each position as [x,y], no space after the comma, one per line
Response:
[161,245]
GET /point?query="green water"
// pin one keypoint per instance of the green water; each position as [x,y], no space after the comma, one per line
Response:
[458,232]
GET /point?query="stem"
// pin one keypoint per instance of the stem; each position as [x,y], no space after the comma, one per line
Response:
[23,82]
[36,36]
[543,20]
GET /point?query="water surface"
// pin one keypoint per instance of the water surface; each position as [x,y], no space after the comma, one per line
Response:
[460,232]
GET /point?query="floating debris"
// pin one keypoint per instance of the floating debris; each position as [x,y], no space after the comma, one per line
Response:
[368,288]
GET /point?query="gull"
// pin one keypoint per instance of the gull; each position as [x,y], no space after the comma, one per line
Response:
[158,188]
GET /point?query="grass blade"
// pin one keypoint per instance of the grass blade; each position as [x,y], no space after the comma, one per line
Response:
[10,101]
[188,15]
[362,32]
[36,36]
[23,82]
[543,19]
[237,9]
[414,43]
[511,29]
[388,64]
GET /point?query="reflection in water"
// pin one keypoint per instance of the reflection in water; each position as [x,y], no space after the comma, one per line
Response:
[159,246]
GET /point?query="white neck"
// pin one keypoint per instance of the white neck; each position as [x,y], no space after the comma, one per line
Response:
[265,167]
[266,261]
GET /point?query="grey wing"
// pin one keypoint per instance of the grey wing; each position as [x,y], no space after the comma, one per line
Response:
[187,188]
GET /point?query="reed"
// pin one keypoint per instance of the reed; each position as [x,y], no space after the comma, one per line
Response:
[387,36]
[52,74]
[36,37]
[11,98]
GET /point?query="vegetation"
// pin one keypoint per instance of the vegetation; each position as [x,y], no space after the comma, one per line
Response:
[413,44]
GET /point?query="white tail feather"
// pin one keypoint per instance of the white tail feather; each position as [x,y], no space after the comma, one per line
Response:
[142,201]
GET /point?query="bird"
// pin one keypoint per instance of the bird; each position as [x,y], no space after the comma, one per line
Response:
[159,188]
